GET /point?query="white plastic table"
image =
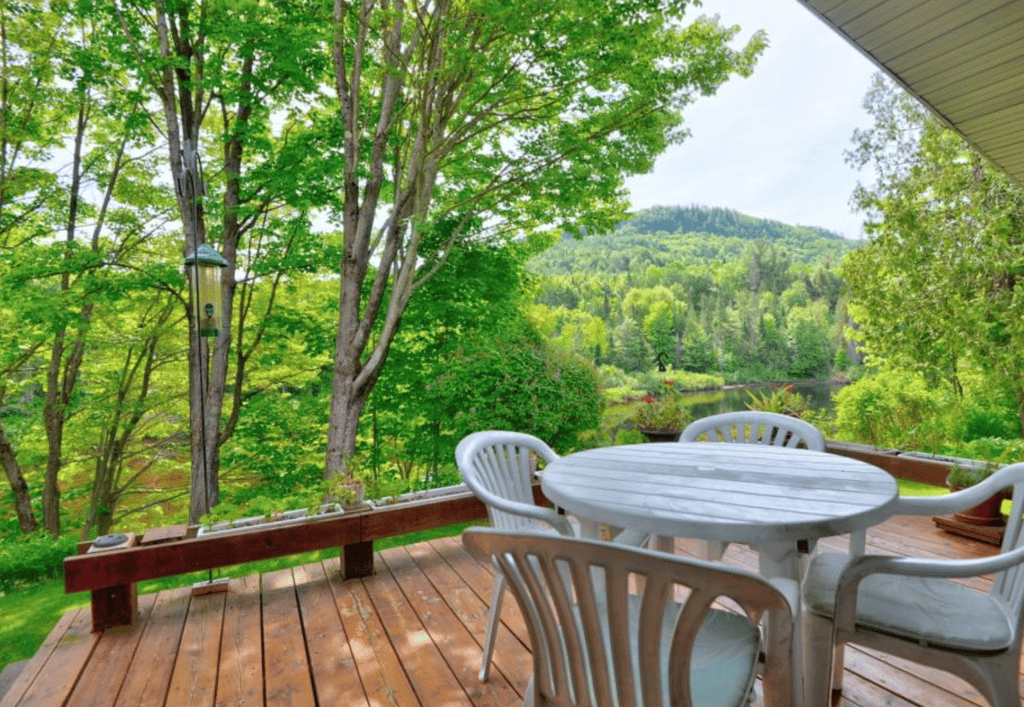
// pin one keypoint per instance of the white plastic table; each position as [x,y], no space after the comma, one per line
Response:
[768,497]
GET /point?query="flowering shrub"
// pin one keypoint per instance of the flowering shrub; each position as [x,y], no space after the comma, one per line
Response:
[665,412]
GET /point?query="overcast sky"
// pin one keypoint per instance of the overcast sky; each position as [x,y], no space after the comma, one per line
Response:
[772,145]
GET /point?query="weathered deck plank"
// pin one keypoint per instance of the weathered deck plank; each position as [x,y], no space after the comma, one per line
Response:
[409,636]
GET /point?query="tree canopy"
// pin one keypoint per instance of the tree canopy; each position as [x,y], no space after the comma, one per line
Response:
[938,288]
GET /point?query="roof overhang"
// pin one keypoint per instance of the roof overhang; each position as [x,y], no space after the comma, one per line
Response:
[963,59]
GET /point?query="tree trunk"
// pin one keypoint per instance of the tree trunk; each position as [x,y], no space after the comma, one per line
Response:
[19,487]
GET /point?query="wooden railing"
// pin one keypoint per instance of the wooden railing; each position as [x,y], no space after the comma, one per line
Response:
[111,575]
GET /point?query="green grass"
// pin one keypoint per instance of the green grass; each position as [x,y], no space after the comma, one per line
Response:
[30,613]
[916,488]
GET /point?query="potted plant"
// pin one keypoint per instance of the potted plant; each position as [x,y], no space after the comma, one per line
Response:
[988,512]
[662,418]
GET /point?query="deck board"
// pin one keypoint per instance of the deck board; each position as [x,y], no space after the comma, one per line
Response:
[409,636]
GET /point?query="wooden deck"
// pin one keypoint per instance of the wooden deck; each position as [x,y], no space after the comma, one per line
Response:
[408,636]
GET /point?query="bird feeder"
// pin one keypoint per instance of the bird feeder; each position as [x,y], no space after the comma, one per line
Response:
[204,281]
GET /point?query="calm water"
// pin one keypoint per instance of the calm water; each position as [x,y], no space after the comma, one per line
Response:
[818,395]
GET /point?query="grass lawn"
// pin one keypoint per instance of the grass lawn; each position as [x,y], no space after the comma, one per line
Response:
[29,614]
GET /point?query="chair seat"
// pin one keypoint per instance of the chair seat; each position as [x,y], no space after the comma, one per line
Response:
[724,658]
[937,611]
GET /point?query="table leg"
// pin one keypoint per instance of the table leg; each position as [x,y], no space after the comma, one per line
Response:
[783,560]
[589,529]
[779,560]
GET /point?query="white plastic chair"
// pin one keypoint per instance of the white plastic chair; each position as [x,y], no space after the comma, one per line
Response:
[497,467]
[596,643]
[755,427]
[909,607]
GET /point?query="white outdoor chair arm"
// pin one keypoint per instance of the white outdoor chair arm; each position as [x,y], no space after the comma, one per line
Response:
[860,567]
[527,510]
[943,505]
[790,590]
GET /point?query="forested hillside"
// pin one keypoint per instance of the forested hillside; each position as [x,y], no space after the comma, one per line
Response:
[726,293]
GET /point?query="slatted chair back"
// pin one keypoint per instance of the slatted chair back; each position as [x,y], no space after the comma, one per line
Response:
[615,626]
[755,427]
[1009,583]
[499,466]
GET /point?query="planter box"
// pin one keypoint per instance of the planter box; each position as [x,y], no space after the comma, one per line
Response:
[413,496]
[242,525]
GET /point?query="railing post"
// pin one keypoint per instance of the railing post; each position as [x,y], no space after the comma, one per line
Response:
[117,605]
[357,559]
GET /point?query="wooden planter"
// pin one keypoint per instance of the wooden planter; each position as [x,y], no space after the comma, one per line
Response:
[984,522]
[987,513]
[661,435]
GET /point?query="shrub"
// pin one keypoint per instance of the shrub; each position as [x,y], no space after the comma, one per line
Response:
[32,558]
[982,421]
[897,409]
[994,449]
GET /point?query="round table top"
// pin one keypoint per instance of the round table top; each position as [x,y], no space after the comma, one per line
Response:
[750,493]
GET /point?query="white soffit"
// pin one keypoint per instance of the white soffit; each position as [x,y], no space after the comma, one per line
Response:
[964,59]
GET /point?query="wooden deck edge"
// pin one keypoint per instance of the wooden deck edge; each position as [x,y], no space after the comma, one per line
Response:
[111,575]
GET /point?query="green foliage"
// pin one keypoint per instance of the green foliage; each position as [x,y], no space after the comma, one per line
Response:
[983,421]
[899,409]
[962,476]
[998,450]
[781,399]
[664,411]
[28,559]
[745,306]
[936,289]
[617,385]
[518,383]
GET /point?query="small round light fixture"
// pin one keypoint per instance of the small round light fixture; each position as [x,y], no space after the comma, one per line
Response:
[204,281]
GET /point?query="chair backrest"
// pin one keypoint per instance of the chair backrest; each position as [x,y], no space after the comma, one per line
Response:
[496,463]
[595,642]
[1009,583]
[756,427]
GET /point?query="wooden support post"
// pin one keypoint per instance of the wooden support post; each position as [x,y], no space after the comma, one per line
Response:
[117,605]
[357,559]
[114,606]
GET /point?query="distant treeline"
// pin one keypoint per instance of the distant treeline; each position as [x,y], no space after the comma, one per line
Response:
[718,222]
[721,292]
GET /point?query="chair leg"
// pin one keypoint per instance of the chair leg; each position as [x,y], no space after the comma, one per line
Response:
[492,623]
[997,678]
[714,549]
[818,660]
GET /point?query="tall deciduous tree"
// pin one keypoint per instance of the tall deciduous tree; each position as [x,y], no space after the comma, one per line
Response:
[227,77]
[939,286]
[61,257]
[518,115]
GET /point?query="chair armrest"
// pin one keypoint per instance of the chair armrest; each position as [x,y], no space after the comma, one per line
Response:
[860,567]
[526,510]
[942,505]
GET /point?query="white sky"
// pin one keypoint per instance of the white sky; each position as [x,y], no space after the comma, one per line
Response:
[772,145]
